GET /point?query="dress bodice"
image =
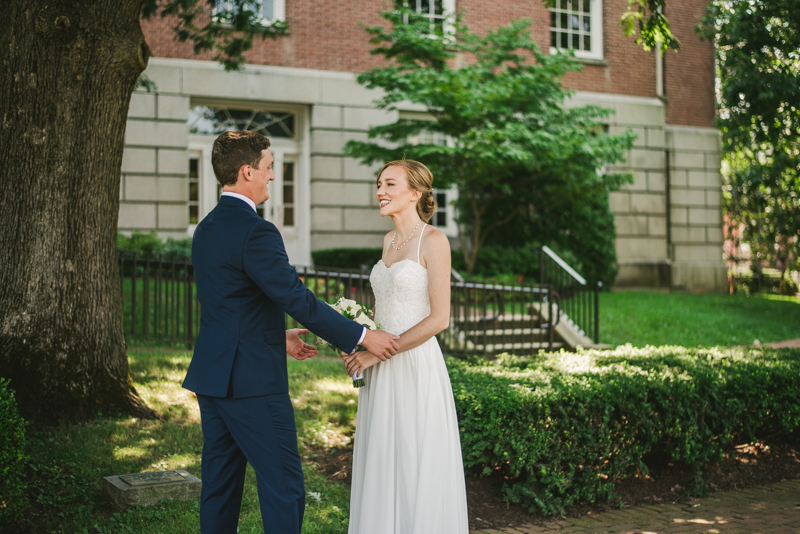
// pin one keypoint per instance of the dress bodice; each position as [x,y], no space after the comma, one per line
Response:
[401,295]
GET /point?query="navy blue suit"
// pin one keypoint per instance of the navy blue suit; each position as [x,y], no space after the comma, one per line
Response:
[245,284]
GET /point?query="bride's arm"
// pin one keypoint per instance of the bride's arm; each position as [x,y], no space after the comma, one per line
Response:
[436,255]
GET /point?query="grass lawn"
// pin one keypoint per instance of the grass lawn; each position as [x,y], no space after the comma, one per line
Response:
[686,319]
[67,464]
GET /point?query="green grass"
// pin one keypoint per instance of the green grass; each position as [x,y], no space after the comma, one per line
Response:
[67,463]
[690,320]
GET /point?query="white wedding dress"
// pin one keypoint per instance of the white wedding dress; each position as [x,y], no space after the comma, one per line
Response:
[408,477]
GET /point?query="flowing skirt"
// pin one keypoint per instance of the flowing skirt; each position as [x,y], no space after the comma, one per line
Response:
[408,477]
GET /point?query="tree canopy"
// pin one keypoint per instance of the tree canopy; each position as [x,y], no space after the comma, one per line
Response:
[510,140]
[758,61]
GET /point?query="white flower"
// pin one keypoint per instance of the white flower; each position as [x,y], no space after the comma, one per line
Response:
[315,495]
[363,320]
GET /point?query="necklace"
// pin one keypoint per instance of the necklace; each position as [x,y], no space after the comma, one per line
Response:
[407,240]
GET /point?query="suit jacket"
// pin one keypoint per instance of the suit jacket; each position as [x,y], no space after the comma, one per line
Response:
[245,284]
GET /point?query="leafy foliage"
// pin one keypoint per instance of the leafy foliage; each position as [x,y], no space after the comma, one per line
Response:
[227,27]
[510,138]
[565,426]
[12,453]
[150,246]
[770,281]
[647,18]
[346,258]
[758,57]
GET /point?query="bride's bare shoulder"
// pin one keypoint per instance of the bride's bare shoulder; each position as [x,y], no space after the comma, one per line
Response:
[434,240]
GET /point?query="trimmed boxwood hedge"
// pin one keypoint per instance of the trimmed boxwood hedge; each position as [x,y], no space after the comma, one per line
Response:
[565,426]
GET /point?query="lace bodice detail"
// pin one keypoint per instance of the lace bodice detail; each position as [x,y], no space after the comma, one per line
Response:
[401,295]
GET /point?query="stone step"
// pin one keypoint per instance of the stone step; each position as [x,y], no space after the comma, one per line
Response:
[520,349]
[500,332]
[498,322]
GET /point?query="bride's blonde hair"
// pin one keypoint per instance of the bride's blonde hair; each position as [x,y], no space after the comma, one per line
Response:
[420,179]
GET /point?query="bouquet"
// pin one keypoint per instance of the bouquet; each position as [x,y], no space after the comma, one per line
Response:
[360,314]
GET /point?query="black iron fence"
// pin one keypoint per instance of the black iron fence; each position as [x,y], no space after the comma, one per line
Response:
[490,319]
[160,305]
[579,300]
[159,300]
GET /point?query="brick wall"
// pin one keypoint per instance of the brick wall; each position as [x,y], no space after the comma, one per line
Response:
[327,40]
[689,73]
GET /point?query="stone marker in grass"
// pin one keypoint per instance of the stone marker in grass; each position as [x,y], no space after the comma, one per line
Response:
[145,489]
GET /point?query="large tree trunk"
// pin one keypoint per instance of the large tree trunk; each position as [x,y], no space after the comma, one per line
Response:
[68,70]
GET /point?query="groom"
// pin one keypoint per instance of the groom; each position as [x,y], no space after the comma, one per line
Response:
[245,286]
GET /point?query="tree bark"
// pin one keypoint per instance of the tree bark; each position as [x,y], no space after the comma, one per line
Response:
[67,72]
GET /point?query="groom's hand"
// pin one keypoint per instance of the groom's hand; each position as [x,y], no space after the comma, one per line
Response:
[381,343]
[296,347]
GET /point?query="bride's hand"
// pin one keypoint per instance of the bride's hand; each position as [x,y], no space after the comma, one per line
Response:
[360,360]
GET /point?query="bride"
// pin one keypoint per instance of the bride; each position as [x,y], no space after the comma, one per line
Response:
[408,477]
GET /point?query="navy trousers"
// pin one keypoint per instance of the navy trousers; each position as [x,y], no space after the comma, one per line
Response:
[261,431]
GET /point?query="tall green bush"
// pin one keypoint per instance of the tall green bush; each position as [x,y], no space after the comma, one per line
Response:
[151,246]
[12,452]
[564,427]
[347,258]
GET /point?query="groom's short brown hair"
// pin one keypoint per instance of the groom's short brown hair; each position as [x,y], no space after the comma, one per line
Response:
[232,150]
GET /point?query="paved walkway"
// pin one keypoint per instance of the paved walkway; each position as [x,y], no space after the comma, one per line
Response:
[773,509]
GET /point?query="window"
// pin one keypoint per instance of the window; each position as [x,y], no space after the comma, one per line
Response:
[288,195]
[427,137]
[436,11]
[194,190]
[215,120]
[267,10]
[444,218]
[440,215]
[577,25]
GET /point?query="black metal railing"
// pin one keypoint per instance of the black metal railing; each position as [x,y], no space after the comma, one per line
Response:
[489,319]
[159,300]
[160,305]
[580,301]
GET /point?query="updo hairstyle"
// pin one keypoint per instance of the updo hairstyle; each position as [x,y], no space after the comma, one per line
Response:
[420,179]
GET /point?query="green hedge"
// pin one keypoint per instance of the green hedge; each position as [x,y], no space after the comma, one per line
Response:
[347,258]
[12,456]
[564,427]
[151,246]
[772,282]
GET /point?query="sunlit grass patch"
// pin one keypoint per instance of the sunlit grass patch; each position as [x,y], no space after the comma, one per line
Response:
[67,463]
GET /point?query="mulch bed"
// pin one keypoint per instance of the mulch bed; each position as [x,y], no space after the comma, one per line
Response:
[745,466]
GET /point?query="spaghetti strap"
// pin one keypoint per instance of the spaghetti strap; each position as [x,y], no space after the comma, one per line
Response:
[420,241]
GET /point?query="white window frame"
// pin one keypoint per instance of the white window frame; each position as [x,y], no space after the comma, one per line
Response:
[448,9]
[278,10]
[450,228]
[596,32]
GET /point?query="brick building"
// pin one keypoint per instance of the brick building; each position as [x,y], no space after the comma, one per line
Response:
[301,91]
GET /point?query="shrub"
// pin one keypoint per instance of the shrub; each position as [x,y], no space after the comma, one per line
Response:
[12,455]
[565,426]
[746,282]
[495,261]
[347,258]
[151,246]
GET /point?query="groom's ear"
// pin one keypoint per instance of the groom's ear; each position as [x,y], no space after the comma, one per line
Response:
[245,174]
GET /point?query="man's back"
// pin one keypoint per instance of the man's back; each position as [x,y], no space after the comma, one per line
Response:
[245,286]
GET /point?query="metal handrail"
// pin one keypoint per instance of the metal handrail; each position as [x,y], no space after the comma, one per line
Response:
[581,301]
[564,265]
